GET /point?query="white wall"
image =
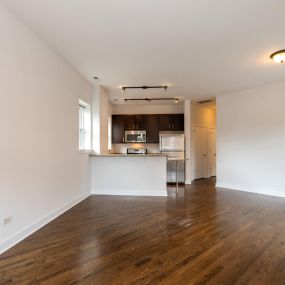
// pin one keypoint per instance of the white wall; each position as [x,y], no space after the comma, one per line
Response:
[42,172]
[203,116]
[251,140]
[187,132]
[135,175]
[104,120]
[147,109]
[100,113]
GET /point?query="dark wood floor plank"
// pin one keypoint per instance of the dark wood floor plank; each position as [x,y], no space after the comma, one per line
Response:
[201,236]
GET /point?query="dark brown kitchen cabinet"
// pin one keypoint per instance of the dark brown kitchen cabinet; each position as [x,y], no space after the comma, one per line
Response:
[152,124]
[135,122]
[152,131]
[163,122]
[141,122]
[177,122]
[129,122]
[171,122]
[118,129]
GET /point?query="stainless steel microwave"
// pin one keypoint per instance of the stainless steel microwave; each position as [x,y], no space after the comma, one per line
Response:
[135,136]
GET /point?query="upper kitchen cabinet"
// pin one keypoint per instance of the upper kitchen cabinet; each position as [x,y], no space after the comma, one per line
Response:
[129,122]
[177,122]
[118,129]
[163,122]
[140,122]
[152,130]
[135,122]
[171,122]
[152,124]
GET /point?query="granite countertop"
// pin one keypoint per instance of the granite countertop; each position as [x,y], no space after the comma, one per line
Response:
[136,155]
[129,155]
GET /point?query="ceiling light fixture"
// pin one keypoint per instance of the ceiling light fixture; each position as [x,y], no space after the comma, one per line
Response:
[279,56]
[145,87]
[175,99]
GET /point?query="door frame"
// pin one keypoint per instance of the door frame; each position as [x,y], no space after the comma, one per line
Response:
[193,125]
[208,150]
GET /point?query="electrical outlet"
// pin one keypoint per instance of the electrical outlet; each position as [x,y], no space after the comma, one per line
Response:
[7,221]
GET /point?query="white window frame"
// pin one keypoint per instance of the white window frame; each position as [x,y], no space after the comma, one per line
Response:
[84,112]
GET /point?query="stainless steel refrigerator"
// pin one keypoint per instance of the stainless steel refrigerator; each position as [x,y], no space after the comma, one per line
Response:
[173,145]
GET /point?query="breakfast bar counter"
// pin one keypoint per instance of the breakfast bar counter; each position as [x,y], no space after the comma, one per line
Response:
[121,174]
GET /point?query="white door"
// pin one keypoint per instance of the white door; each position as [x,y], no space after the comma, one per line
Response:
[212,152]
[199,152]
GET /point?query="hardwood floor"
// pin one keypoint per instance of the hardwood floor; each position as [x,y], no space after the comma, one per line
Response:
[201,236]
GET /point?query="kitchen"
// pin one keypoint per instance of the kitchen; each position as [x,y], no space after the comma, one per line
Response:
[121,127]
[151,153]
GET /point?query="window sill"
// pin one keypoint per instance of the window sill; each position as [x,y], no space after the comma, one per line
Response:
[85,151]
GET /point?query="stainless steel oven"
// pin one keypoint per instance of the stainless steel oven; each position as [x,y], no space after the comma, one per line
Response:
[135,136]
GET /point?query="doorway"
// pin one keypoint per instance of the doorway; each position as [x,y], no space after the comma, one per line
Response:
[203,152]
[211,153]
[199,152]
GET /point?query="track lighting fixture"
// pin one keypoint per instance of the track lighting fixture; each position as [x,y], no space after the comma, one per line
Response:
[145,87]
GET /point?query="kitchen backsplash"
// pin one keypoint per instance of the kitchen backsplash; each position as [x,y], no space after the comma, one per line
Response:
[122,148]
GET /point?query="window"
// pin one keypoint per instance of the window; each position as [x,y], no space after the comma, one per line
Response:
[84,126]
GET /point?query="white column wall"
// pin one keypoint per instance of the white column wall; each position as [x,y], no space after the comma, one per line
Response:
[100,113]
[187,131]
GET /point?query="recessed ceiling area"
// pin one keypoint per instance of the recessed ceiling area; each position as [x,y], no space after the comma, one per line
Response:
[199,48]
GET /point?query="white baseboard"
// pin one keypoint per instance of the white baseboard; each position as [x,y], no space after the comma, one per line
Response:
[268,192]
[149,193]
[188,182]
[19,236]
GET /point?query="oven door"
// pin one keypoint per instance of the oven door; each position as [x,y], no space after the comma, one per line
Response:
[135,136]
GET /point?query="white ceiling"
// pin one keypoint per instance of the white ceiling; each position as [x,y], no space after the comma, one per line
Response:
[202,48]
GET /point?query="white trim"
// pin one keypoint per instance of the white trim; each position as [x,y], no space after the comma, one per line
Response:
[145,193]
[27,231]
[194,125]
[188,182]
[267,192]
[200,126]
[85,151]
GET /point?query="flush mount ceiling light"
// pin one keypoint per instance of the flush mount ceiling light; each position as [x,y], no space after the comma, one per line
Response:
[175,99]
[145,87]
[279,56]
